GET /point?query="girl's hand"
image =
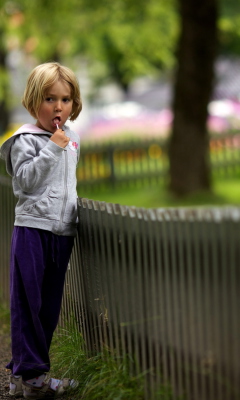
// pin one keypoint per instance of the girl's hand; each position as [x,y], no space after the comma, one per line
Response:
[60,138]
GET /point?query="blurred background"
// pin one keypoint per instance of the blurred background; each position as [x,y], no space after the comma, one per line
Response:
[160,83]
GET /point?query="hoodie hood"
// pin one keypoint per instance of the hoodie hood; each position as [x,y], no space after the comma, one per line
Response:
[26,128]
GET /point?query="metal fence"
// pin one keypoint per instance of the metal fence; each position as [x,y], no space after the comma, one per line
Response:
[7,205]
[161,285]
[146,161]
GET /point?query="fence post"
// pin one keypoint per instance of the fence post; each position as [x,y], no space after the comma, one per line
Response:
[112,178]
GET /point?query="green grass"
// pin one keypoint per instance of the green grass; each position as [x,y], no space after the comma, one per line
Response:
[102,376]
[224,192]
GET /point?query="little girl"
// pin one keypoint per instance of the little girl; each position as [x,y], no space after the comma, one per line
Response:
[41,160]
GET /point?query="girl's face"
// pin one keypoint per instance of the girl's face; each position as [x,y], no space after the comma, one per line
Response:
[56,107]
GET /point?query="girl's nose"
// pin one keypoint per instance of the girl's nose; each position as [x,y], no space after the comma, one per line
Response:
[58,106]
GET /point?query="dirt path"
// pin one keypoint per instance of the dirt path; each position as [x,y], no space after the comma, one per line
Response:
[5,354]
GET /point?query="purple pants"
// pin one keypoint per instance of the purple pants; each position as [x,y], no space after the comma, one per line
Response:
[38,265]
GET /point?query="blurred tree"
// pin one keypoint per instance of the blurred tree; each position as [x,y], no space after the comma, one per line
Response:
[4,79]
[188,150]
[120,39]
[229,31]
[43,28]
[126,38]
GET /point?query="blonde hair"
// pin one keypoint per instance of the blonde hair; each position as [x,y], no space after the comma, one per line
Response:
[41,79]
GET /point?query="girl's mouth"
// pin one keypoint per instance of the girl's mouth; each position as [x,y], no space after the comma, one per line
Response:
[56,121]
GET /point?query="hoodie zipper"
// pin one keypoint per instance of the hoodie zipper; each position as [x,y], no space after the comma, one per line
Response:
[65,189]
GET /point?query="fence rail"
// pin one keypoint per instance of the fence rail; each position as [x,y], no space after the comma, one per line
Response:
[159,284]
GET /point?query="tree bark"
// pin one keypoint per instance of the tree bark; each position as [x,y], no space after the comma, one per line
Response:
[188,148]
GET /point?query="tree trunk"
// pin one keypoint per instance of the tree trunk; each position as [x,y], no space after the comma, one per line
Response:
[188,149]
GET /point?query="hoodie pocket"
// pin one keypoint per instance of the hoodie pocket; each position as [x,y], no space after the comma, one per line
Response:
[47,206]
[70,214]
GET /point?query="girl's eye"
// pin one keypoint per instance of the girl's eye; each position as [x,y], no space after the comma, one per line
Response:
[51,99]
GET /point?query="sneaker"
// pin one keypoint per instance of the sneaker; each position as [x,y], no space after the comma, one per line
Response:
[45,391]
[16,384]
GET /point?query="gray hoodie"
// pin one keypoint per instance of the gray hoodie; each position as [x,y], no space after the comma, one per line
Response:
[43,179]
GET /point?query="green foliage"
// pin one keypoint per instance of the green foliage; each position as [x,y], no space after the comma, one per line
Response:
[229,27]
[102,376]
[130,38]
[127,38]
[133,38]
[40,28]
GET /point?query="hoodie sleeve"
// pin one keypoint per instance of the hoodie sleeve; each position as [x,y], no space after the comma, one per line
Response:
[30,167]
